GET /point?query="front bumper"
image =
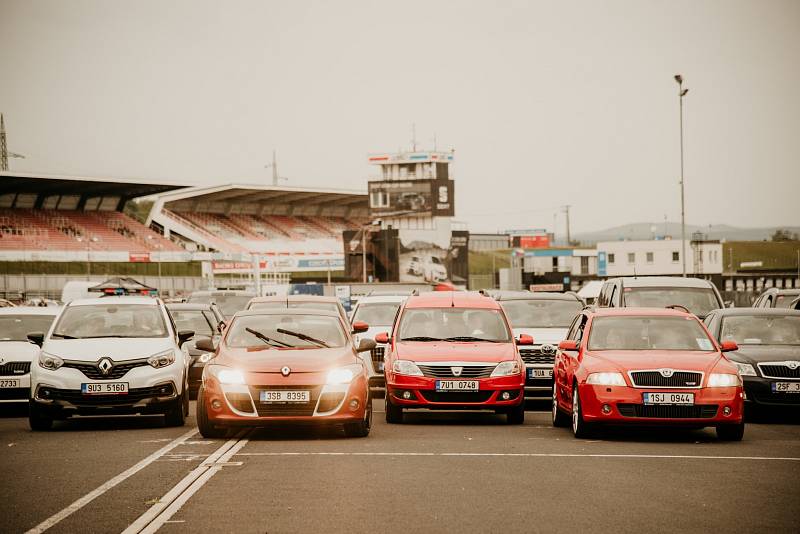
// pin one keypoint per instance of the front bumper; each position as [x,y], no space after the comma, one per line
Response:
[627,407]
[16,388]
[61,403]
[423,394]
[758,390]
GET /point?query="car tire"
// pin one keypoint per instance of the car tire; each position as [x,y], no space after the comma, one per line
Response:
[730,432]
[207,430]
[362,428]
[394,413]
[516,415]
[37,420]
[175,415]
[560,419]
[580,429]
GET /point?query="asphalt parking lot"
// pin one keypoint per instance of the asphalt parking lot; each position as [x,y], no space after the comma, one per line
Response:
[440,472]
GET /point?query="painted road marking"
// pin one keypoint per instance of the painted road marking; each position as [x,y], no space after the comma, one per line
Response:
[172,501]
[89,497]
[526,455]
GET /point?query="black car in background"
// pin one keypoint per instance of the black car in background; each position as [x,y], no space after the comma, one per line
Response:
[768,357]
[205,320]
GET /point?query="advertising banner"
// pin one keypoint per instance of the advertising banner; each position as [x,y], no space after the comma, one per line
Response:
[532,241]
[281,264]
[396,197]
[139,257]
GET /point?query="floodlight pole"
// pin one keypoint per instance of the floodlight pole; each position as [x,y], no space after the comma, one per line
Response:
[681,94]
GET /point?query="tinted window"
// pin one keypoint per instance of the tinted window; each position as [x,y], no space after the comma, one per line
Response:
[697,300]
[196,320]
[16,327]
[766,330]
[113,320]
[283,331]
[377,314]
[540,313]
[648,333]
[423,324]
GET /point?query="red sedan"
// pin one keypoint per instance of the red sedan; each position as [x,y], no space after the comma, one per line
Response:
[453,350]
[285,366]
[645,366]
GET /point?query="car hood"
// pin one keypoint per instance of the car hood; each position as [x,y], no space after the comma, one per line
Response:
[18,351]
[431,351]
[630,360]
[762,353]
[541,336]
[118,349]
[263,360]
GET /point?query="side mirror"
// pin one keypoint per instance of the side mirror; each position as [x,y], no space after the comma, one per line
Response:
[382,338]
[366,345]
[524,339]
[568,344]
[359,327]
[184,336]
[725,346]
[36,338]
[205,344]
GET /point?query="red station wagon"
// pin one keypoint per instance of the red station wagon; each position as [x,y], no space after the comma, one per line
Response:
[646,366]
[453,350]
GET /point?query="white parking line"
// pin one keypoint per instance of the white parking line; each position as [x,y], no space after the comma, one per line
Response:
[525,455]
[172,501]
[89,497]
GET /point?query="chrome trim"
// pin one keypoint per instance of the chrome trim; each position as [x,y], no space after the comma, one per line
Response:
[699,386]
[538,388]
[461,364]
[782,363]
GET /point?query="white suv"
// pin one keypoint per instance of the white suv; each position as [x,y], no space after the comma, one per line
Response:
[379,312]
[16,352]
[111,355]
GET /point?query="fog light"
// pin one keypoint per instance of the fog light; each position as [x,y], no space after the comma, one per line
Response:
[726,410]
[606,409]
[407,395]
[505,395]
[354,405]
[216,404]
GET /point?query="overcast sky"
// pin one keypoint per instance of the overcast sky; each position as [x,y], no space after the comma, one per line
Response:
[545,103]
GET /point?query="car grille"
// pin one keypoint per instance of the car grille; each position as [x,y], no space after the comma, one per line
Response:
[535,355]
[15,368]
[778,370]
[377,358]
[14,393]
[465,397]
[285,409]
[654,379]
[774,398]
[74,396]
[91,370]
[467,371]
[698,411]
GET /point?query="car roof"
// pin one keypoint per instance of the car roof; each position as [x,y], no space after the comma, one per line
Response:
[664,281]
[122,300]
[222,292]
[288,311]
[188,306]
[777,291]
[294,298]
[756,312]
[452,299]
[31,310]
[523,295]
[375,299]
[621,312]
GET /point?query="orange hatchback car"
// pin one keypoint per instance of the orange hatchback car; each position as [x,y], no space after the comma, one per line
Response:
[285,366]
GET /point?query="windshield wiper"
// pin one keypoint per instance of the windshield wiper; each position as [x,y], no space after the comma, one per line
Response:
[304,337]
[421,338]
[470,338]
[265,339]
[63,336]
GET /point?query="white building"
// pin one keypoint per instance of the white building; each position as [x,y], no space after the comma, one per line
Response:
[658,257]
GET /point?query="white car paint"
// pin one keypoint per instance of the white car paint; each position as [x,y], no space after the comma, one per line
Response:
[20,351]
[375,329]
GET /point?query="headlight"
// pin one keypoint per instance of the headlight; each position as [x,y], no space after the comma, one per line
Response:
[50,362]
[719,380]
[745,369]
[406,367]
[226,375]
[162,359]
[507,368]
[606,379]
[205,357]
[343,375]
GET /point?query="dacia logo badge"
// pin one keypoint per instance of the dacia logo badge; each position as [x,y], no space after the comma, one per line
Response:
[547,349]
[666,373]
[105,365]
[456,370]
[285,371]
[793,365]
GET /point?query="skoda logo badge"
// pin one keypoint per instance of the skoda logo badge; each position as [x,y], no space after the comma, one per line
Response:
[105,366]
[456,370]
[666,373]
[285,371]
[547,349]
[790,365]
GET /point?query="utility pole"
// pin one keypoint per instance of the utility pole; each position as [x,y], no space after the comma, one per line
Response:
[681,93]
[274,168]
[4,153]
[413,136]
[566,210]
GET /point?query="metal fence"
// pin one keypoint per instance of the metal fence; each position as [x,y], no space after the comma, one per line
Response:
[17,287]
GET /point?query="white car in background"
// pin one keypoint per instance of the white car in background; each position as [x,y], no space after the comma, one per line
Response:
[16,352]
[379,313]
[108,356]
[433,270]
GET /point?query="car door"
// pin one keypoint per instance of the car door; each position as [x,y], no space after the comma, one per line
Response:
[569,359]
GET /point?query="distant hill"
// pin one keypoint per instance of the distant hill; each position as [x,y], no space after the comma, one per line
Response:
[637,231]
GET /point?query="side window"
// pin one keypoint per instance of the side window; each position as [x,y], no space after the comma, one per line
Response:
[171,321]
[574,327]
[581,325]
[768,302]
[394,323]
[602,299]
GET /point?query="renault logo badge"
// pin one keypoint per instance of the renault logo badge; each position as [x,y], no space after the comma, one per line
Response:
[456,370]
[666,373]
[105,365]
[791,365]
[285,371]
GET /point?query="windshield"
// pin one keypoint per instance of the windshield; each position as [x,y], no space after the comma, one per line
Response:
[541,313]
[648,333]
[281,331]
[456,324]
[275,304]
[200,322]
[377,314]
[111,320]
[698,300]
[16,327]
[764,330]
[228,304]
[783,301]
